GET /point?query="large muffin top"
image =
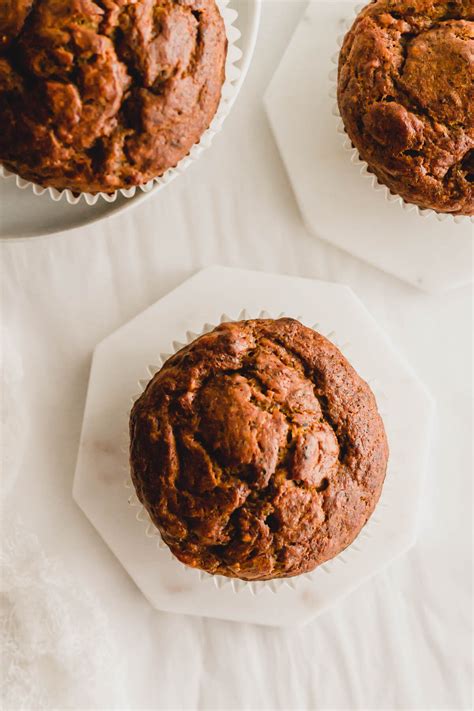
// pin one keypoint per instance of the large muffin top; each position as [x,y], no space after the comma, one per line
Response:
[257,450]
[96,96]
[406,96]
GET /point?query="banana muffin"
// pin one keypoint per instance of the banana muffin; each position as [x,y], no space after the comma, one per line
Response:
[406,96]
[257,450]
[106,94]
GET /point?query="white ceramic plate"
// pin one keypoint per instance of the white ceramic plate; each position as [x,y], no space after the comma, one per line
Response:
[23,214]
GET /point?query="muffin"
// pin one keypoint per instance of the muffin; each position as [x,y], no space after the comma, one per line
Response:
[406,97]
[257,450]
[100,96]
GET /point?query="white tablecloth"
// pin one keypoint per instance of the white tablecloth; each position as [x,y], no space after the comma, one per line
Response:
[403,639]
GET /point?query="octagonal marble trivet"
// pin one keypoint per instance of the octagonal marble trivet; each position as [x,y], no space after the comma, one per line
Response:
[337,202]
[120,362]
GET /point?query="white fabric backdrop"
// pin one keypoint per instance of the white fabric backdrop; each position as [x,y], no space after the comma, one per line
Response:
[402,640]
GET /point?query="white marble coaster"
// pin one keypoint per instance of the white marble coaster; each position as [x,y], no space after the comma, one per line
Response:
[120,361]
[337,202]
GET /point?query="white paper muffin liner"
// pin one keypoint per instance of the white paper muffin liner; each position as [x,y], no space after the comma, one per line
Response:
[228,96]
[220,581]
[362,165]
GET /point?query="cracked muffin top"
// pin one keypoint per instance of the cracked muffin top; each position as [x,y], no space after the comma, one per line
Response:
[406,96]
[106,94]
[257,450]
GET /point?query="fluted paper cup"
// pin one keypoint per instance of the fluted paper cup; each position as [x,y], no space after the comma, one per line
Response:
[151,531]
[229,88]
[361,165]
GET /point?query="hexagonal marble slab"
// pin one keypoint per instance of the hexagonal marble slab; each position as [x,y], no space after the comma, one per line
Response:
[337,202]
[121,361]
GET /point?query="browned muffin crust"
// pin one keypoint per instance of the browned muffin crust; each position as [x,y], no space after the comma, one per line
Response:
[258,451]
[406,96]
[97,96]
[13,14]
